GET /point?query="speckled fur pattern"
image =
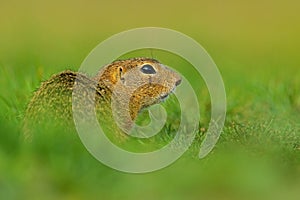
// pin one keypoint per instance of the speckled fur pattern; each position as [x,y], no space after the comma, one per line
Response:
[53,100]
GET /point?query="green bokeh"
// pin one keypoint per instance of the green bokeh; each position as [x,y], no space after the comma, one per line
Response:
[255,44]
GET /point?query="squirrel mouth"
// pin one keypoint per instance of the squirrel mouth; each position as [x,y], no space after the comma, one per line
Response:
[164,97]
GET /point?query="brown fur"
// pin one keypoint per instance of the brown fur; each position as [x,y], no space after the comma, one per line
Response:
[121,79]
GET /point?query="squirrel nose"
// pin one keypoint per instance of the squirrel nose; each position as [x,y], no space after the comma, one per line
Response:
[178,82]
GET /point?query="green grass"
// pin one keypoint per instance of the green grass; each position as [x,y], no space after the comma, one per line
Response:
[258,152]
[255,46]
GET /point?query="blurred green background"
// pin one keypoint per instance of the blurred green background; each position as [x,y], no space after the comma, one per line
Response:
[255,44]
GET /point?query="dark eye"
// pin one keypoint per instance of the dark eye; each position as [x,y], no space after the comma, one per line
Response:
[148,69]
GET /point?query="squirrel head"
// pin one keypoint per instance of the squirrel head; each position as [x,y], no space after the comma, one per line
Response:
[138,83]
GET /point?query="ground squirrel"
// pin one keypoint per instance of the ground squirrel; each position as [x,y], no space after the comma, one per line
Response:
[144,81]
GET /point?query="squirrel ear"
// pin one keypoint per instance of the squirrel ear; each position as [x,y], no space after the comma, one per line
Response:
[120,69]
[119,74]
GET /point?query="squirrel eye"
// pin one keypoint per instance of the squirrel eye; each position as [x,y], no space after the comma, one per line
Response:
[148,69]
